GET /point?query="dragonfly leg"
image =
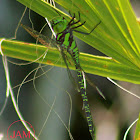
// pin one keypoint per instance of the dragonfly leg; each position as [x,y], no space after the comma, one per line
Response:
[85,33]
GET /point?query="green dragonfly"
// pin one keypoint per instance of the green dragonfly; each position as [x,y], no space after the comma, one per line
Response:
[67,44]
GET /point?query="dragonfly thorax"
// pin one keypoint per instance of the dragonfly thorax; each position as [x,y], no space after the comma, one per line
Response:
[59,24]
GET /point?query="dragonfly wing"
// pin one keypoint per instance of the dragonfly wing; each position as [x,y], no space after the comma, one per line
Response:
[69,72]
[94,86]
[44,40]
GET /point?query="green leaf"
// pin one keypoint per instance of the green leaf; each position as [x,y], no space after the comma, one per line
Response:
[137,132]
[103,66]
[117,36]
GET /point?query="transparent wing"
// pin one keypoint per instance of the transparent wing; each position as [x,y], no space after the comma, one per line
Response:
[65,58]
[93,85]
[44,40]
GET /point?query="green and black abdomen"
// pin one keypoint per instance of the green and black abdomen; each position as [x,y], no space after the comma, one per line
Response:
[67,43]
[81,79]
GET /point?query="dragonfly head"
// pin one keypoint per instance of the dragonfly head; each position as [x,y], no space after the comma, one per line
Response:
[59,24]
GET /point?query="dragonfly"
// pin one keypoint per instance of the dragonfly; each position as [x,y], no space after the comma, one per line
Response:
[67,45]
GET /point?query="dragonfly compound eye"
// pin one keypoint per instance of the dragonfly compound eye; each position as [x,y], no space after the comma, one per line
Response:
[59,25]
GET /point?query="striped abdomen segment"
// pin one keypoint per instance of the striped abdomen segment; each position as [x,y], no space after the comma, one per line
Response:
[82,84]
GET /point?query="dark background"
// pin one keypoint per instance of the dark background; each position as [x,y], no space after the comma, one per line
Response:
[111,117]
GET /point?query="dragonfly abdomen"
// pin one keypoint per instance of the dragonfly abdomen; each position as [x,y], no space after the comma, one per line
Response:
[85,99]
[67,43]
